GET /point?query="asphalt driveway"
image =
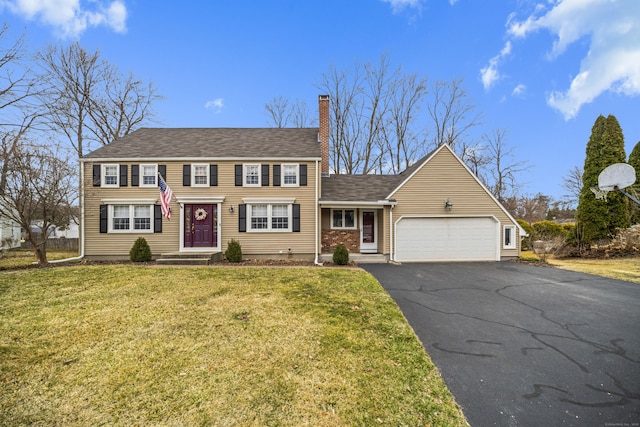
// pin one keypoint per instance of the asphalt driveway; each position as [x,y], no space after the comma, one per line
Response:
[520,345]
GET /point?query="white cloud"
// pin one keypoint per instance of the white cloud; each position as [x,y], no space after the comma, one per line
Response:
[490,74]
[519,90]
[398,6]
[70,18]
[215,106]
[612,29]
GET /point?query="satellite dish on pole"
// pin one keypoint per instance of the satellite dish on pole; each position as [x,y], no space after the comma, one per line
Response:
[617,176]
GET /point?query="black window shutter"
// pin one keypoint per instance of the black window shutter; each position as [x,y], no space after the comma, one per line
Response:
[303,174]
[186,175]
[265,175]
[296,218]
[96,175]
[157,219]
[162,170]
[276,175]
[238,175]
[103,218]
[123,175]
[213,175]
[242,218]
[135,175]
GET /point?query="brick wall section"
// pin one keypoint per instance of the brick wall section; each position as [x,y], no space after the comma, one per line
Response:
[332,238]
[323,107]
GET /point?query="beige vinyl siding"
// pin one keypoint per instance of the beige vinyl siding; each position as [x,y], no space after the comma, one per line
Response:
[118,244]
[259,243]
[444,177]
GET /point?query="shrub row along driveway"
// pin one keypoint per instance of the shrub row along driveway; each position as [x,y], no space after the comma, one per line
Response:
[524,345]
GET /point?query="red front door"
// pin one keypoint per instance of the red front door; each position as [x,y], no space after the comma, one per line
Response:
[200,226]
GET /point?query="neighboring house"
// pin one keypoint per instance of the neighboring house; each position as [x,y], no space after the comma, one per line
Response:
[70,231]
[270,190]
[10,233]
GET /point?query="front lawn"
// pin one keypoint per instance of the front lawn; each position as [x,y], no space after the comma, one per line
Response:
[144,345]
[627,269]
[18,258]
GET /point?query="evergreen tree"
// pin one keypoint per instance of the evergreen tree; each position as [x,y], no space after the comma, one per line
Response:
[634,160]
[596,218]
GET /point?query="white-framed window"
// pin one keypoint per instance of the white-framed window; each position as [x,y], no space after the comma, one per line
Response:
[269,217]
[343,219]
[200,175]
[130,219]
[251,175]
[148,175]
[509,239]
[290,175]
[110,175]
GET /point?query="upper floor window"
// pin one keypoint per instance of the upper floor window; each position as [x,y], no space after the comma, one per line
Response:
[290,175]
[110,175]
[200,176]
[149,175]
[343,218]
[251,176]
[509,237]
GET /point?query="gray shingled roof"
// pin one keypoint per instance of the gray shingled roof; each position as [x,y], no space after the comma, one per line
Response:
[365,188]
[359,188]
[213,143]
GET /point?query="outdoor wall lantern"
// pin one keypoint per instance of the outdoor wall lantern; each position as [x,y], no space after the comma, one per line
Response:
[448,205]
[231,209]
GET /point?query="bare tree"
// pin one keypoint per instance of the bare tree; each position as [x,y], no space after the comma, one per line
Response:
[89,100]
[504,170]
[451,112]
[404,145]
[374,111]
[75,77]
[300,116]
[18,86]
[572,182]
[123,105]
[529,208]
[283,113]
[346,92]
[476,157]
[278,111]
[39,189]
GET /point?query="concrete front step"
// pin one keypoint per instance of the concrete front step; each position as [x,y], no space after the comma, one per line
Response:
[359,258]
[189,258]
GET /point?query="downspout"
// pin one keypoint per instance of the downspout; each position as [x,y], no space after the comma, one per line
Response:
[391,233]
[82,228]
[315,261]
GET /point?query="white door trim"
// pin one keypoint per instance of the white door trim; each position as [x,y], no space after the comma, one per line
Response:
[369,247]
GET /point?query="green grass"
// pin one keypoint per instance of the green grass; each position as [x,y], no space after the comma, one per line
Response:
[127,345]
[22,258]
[627,269]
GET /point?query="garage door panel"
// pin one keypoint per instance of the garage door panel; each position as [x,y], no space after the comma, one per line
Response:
[446,239]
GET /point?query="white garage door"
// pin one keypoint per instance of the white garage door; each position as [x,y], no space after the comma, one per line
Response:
[447,239]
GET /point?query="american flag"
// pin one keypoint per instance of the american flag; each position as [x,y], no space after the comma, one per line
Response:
[165,197]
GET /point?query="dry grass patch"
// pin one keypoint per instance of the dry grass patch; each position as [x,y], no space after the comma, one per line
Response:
[129,345]
[18,258]
[627,269]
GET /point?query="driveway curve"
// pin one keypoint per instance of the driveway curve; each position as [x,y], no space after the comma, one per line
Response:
[520,345]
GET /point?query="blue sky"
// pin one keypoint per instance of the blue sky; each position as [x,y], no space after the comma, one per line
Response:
[543,71]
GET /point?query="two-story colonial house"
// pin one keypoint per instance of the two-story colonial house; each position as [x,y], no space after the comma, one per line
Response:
[270,189]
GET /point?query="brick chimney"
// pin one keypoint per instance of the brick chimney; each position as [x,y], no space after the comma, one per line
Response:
[323,133]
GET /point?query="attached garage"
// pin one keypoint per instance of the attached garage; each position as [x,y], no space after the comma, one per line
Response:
[447,239]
